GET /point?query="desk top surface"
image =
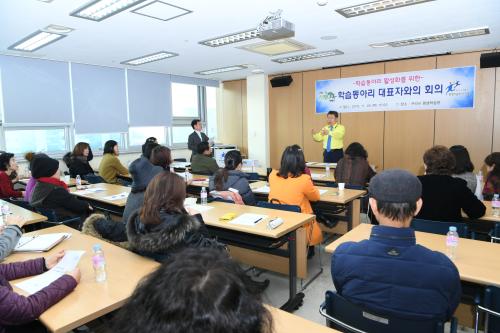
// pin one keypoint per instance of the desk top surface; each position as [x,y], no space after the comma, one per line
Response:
[90,299]
[477,261]
[291,220]
[31,217]
[488,216]
[285,322]
[104,196]
[332,194]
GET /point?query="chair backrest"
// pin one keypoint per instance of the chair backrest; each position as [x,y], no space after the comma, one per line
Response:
[439,227]
[290,208]
[252,175]
[344,315]
[221,200]
[495,233]
[93,179]
[492,302]
[50,214]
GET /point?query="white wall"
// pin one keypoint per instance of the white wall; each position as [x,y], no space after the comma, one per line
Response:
[258,118]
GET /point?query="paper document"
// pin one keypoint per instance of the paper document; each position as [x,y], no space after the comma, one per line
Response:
[40,243]
[190,201]
[317,175]
[321,192]
[199,208]
[66,264]
[90,190]
[262,189]
[248,219]
[118,196]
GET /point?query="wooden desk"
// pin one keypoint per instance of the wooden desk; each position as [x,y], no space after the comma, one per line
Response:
[349,198]
[477,261]
[109,189]
[71,183]
[246,242]
[488,216]
[285,322]
[31,217]
[91,300]
[98,200]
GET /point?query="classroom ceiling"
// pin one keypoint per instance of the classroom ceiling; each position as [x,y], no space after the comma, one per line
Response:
[128,35]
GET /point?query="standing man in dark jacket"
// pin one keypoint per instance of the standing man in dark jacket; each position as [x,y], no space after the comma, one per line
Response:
[196,137]
[50,192]
[389,273]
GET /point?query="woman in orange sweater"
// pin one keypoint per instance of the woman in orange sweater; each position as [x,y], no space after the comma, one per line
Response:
[290,185]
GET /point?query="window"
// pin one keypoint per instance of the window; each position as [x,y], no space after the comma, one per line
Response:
[211,103]
[97,141]
[138,135]
[180,134]
[48,140]
[185,100]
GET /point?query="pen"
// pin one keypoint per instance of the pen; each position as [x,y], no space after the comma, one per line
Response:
[257,220]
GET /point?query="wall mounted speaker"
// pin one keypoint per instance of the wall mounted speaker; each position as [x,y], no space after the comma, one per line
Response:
[489,60]
[281,81]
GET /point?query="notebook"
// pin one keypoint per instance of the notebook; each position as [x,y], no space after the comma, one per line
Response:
[40,243]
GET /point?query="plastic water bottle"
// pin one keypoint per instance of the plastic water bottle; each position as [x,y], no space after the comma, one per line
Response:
[204,196]
[78,180]
[327,170]
[99,263]
[452,243]
[495,205]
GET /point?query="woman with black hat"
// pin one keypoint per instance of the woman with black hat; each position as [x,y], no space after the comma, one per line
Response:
[50,192]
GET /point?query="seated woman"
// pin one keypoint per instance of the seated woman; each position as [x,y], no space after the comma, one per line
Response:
[8,166]
[492,183]
[78,163]
[289,185]
[51,193]
[464,168]
[443,196]
[10,234]
[163,226]
[195,291]
[111,167]
[203,163]
[19,313]
[353,168]
[232,177]
[30,156]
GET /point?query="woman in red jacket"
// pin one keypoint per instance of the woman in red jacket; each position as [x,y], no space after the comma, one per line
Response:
[19,313]
[8,165]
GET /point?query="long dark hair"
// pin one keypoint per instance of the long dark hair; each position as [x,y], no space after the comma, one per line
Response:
[166,192]
[109,147]
[231,162]
[79,148]
[5,161]
[493,159]
[195,291]
[293,162]
[462,160]
[356,149]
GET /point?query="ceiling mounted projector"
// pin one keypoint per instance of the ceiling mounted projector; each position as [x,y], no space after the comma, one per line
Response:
[274,27]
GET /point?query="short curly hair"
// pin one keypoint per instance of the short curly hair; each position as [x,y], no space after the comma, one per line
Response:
[439,160]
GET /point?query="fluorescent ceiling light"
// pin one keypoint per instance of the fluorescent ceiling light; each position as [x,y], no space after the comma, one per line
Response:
[161,10]
[376,6]
[437,38]
[221,70]
[36,41]
[46,1]
[150,58]
[231,38]
[281,46]
[308,56]
[98,10]
[58,29]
